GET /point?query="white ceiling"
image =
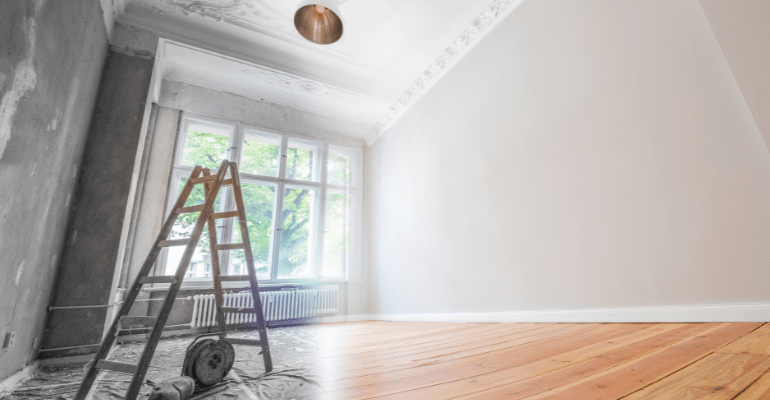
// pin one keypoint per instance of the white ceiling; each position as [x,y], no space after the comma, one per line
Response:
[388,54]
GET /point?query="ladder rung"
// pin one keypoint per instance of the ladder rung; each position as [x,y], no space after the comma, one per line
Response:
[192,209]
[233,278]
[203,179]
[123,368]
[157,279]
[239,310]
[230,246]
[145,321]
[245,342]
[227,214]
[211,178]
[177,242]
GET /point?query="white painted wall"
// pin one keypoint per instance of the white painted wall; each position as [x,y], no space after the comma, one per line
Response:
[742,28]
[585,154]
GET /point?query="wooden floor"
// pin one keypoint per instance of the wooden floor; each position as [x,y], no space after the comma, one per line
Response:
[400,360]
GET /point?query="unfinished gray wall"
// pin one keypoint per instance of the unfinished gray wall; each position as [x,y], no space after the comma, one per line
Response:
[52,58]
[88,262]
[149,208]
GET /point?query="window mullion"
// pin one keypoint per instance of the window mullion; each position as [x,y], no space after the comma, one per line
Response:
[227,230]
[228,202]
[321,226]
[278,225]
[278,230]
[284,151]
[235,146]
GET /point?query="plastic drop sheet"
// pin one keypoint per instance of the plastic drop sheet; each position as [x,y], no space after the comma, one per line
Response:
[293,376]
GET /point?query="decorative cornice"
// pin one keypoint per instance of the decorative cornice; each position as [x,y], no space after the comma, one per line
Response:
[260,17]
[294,83]
[473,31]
[270,17]
[209,25]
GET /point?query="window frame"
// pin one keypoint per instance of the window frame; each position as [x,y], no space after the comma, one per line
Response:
[235,153]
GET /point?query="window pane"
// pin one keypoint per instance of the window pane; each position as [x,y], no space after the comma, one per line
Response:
[205,144]
[302,160]
[336,235]
[338,168]
[295,254]
[260,154]
[200,264]
[259,202]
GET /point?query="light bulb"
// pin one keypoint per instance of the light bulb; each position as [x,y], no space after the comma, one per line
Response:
[320,9]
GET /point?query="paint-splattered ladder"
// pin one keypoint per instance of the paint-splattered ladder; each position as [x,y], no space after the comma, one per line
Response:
[212,185]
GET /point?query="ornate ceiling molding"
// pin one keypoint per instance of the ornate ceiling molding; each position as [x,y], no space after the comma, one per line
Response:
[298,86]
[473,31]
[248,14]
[260,32]
[309,87]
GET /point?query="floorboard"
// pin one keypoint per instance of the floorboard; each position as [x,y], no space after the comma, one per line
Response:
[547,361]
[420,360]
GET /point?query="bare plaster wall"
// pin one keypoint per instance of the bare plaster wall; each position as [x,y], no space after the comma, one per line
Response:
[150,205]
[87,268]
[49,76]
[583,155]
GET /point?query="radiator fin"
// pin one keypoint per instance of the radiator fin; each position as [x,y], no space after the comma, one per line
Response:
[276,305]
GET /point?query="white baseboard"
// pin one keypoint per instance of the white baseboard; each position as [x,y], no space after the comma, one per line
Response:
[362,317]
[755,312]
[11,382]
[345,318]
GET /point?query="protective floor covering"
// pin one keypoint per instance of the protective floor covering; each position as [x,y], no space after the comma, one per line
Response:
[292,376]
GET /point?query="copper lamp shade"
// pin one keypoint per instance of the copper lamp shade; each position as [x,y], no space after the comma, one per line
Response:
[319,21]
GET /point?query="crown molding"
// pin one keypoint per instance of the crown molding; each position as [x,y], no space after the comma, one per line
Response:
[266,21]
[476,29]
[289,83]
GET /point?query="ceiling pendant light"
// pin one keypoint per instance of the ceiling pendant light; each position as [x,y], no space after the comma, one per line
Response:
[319,21]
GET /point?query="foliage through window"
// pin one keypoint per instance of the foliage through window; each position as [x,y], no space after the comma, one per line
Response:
[298,196]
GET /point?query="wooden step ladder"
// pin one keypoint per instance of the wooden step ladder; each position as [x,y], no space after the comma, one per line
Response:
[212,185]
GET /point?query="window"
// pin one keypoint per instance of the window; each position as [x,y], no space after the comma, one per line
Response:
[300,197]
[302,160]
[205,143]
[260,154]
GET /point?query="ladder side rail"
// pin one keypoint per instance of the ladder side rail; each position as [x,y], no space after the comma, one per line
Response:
[254,285]
[131,295]
[215,269]
[152,342]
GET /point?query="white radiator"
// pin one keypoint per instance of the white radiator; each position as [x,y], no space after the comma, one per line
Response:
[277,306]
